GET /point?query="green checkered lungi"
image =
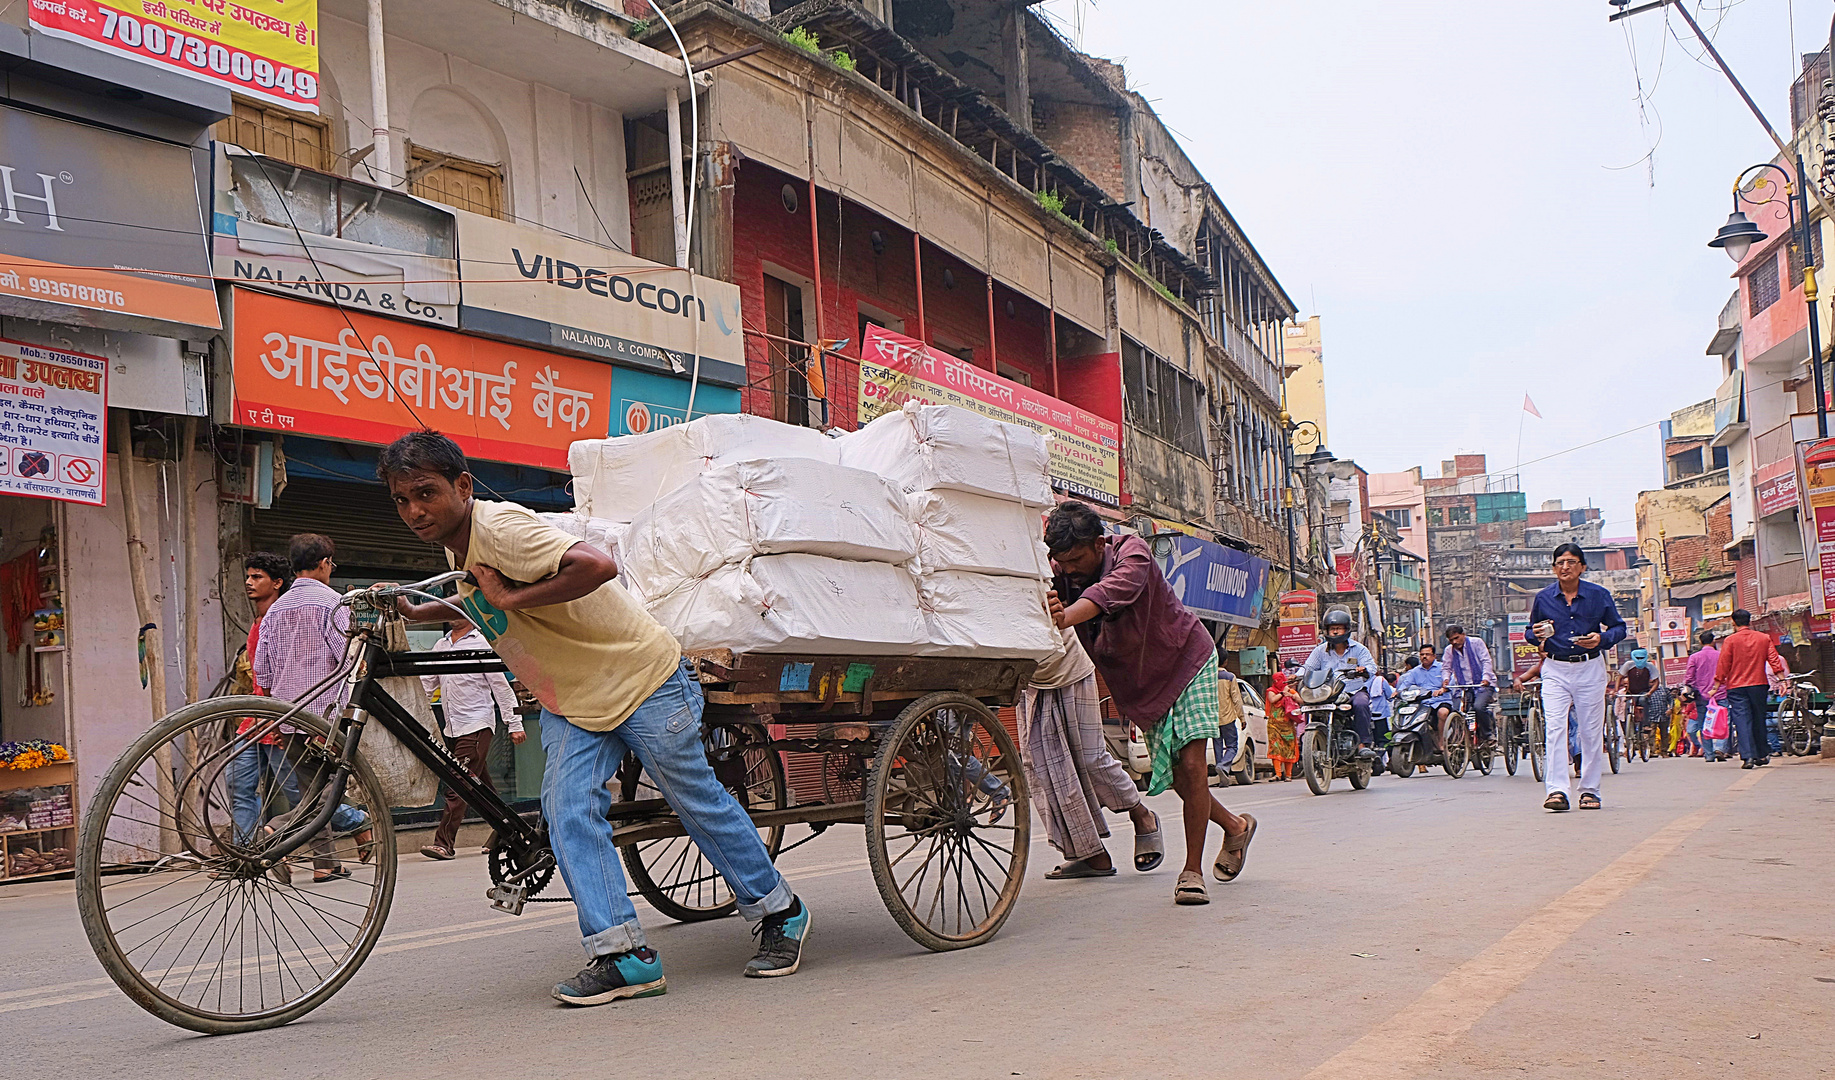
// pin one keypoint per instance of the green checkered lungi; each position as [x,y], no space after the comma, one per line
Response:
[1195,715]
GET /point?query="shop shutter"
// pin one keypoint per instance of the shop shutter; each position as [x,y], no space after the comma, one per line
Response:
[360,520]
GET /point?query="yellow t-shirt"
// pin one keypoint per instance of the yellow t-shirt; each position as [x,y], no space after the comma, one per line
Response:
[593,660]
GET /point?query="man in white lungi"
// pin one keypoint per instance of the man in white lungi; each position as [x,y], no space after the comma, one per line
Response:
[1577,623]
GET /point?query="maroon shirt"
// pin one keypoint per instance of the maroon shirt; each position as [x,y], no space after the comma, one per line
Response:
[1147,646]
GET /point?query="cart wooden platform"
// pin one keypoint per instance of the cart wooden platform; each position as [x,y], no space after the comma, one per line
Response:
[910,747]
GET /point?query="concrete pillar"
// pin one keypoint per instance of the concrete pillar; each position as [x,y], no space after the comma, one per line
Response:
[1019,78]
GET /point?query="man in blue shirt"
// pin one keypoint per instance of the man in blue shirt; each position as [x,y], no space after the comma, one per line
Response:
[1430,675]
[1382,695]
[1577,623]
[1338,653]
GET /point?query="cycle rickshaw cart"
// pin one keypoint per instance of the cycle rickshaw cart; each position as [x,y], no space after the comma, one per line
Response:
[208,924]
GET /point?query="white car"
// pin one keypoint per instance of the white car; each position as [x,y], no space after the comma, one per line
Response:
[1128,744]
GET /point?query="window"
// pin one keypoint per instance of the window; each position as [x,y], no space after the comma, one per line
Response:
[1795,257]
[1458,514]
[789,385]
[291,137]
[1162,400]
[468,185]
[1720,457]
[1008,371]
[1402,516]
[1762,285]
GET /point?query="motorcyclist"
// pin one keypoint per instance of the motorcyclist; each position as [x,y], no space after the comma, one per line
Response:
[1430,676]
[1338,653]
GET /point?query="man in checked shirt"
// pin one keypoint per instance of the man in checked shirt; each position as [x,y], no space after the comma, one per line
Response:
[302,641]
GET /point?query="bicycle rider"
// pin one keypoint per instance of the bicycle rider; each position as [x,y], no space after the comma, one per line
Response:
[1468,664]
[1632,684]
[1430,675]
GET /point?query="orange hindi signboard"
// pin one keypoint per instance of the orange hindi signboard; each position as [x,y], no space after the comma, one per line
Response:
[302,368]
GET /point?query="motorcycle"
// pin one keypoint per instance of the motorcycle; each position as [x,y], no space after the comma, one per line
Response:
[1328,746]
[1411,742]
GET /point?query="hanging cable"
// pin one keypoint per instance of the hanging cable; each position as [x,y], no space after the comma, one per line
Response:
[694,161]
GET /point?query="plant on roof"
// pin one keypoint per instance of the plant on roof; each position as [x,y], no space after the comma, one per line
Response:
[640,28]
[844,60]
[1052,202]
[1112,246]
[801,38]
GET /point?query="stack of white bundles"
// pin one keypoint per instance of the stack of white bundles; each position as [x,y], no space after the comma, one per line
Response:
[602,534]
[973,533]
[942,447]
[615,479]
[986,615]
[798,603]
[731,513]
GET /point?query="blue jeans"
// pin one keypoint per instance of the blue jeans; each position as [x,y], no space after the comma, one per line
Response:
[665,734]
[245,804]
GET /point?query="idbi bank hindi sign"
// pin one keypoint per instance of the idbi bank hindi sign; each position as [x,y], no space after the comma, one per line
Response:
[1085,448]
[263,49]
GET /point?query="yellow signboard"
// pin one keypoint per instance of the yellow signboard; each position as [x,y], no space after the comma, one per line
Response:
[264,49]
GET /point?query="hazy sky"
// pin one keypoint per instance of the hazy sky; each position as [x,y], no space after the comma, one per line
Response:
[1459,189]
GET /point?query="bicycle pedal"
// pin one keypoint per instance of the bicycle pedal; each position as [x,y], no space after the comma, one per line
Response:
[507,898]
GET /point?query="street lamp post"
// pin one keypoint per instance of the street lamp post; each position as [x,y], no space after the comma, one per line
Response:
[1738,235]
[1291,429]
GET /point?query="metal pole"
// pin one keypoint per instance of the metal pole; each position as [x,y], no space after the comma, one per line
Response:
[1809,298]
[382,158]
[917,262]
[1293,566]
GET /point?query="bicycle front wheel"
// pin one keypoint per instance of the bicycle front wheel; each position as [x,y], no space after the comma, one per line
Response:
[171,880]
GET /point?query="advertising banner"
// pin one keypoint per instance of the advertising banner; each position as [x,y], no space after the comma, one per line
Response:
[1519,625]
[1213,581]
[1085,448]
[263,49]
[301,368]
[642,401]
[1675,670]
[1523,656]
[96,221]
[1775,486]
[1345,570]
[1299,630]
[53,409]
[1717,606]
[1672,626]
[537,286]
[357,270]
[1816,504]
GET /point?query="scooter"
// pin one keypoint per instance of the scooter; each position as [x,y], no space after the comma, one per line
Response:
[1411,741]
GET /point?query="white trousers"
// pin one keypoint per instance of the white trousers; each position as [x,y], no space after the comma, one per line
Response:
[1583,688]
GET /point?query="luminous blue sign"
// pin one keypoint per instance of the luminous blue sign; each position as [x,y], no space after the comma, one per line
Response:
[643,401]
[1213,581]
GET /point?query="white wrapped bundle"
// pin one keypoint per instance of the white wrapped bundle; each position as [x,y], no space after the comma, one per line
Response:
[976,534]
[789,505]
[616,478]
[927,447]
[797,603]
[984,615]
[602,534]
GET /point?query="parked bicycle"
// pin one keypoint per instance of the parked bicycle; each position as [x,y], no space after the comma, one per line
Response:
[1799,719]
[1522,731]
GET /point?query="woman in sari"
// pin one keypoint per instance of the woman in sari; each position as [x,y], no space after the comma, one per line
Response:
[1283,738]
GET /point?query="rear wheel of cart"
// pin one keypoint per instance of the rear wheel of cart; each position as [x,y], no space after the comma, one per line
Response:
[1511,730]
[948,822]
[672,873]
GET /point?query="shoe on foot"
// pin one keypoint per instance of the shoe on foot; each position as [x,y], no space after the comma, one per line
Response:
[638,973]
[780,942]
[438,852]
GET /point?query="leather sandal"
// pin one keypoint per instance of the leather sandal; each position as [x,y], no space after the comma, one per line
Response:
[1235,852]
[1557,802]
[1190,889]
[1077,868]
[1589,801]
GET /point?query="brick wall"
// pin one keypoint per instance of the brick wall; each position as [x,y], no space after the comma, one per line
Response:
[1695,558]
[1468,464]
[1087,136]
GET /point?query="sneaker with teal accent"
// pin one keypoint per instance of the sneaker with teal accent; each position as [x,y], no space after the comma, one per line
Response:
[634,974]
[780,942]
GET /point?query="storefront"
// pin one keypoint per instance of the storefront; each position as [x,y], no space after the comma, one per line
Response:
[105,300]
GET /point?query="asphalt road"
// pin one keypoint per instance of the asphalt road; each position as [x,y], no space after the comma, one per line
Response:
[1424,928]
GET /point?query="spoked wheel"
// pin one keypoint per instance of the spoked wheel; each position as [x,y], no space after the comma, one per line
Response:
[1794,729]
[948,822]
[190,914]
[1458,751]
[1316,758]
[1538,753]
[844,777]
[671,873]
[1481,755]
[1613,738]
[1510,746]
